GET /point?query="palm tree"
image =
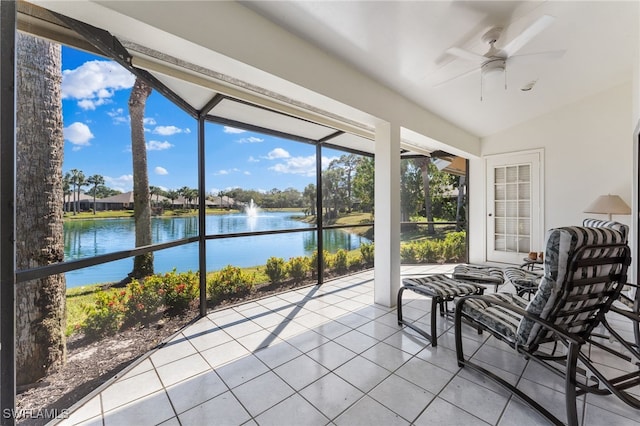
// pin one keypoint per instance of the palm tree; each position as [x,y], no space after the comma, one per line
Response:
[81,181]
[423,163]
[78,180]
[40,344]
[310,197]
[142,264]
[192,195]
[184,192]
[172,195]
[66,191]
[95,180]
[157,191]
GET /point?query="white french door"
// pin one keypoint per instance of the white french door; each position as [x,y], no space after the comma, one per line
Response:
[514,206]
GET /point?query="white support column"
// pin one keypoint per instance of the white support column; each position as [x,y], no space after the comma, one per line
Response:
[387,213]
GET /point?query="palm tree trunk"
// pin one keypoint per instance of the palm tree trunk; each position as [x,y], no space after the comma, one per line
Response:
[40,304]
[75,205]
[142,264]
[462,185]
[423,163]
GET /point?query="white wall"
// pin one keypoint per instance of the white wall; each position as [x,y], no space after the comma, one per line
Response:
[586,153]
[635,141]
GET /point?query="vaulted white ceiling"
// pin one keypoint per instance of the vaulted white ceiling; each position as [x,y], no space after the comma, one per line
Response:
[403,45]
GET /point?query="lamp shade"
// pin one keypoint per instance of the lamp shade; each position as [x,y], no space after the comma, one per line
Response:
[608,204]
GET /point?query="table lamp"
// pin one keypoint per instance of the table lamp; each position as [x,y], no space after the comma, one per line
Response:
[609,205]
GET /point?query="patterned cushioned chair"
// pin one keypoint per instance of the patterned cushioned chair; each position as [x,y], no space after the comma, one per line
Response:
[585,270]
[631,298]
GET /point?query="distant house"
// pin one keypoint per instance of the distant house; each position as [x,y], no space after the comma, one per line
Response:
[191,204]
[85,203]
[223,202]
[122,201]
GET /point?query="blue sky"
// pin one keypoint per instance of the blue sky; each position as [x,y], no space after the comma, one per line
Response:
[95,92]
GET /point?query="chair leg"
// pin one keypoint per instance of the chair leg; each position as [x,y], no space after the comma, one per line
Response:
[399,305]
[457,323]
[571,384]
[401,321]
[435,301]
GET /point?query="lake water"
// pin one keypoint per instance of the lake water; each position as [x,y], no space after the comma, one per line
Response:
[88,238]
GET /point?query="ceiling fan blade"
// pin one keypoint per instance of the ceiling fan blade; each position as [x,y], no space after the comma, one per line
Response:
[529,33]
[530,57]
[464,74]
[465,54]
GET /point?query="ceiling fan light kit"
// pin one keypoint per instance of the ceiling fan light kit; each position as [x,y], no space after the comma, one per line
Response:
[491,71]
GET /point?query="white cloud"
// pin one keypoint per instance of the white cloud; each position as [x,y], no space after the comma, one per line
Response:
[252,159]
[277,153]
[227,171]
[118,117]
[78,134]
[160,171]
[123,183]
[169,130]
[247,173]
[305,166]
[228,129]
[95,82]
[158,146]
[250,139]
[325,161]
[216,191]
[91,104]
[148,121]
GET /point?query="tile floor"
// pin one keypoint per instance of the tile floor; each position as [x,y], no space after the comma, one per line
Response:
[329,355]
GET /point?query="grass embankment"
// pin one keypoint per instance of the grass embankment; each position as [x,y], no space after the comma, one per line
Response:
[355,218]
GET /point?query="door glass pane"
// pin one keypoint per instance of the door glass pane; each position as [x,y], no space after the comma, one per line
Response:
[512,208]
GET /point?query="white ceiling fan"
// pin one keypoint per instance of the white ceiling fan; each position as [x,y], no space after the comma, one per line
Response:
[495,60]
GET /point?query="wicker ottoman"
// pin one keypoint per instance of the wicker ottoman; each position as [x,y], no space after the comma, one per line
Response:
[441,289]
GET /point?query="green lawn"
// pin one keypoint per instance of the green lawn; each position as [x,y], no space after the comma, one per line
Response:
[77,298]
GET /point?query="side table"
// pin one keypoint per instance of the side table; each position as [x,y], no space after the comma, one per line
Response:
[531,264]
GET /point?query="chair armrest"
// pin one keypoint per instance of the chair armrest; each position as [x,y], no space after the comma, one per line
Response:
[572,338]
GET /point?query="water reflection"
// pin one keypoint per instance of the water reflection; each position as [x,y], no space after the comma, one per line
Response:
[87,238]
[333,240]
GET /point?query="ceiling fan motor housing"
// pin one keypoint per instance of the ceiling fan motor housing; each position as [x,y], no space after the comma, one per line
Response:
[494,66]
